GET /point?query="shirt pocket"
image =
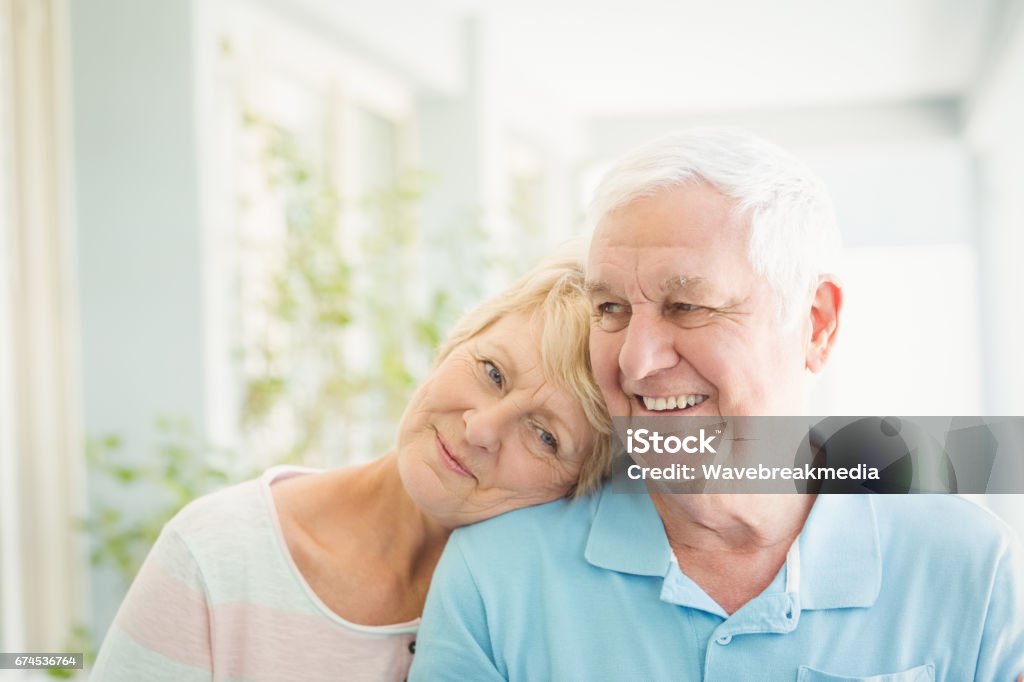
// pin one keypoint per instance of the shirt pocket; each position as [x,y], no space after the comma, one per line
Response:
[921,673]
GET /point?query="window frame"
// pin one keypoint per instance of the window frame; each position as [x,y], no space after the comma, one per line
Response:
[346,83]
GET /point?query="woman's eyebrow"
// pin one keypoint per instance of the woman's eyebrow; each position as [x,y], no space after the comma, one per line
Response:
[572,441]
[507,359]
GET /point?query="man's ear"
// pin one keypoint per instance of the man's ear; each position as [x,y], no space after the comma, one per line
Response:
[828,301]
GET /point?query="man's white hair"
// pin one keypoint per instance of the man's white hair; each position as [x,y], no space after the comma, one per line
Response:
[794,237]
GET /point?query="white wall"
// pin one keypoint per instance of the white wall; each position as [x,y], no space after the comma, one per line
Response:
[992,123]
[138,228]
[419,40]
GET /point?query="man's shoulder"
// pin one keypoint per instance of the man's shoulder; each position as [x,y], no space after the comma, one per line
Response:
[942,522]
[545,526]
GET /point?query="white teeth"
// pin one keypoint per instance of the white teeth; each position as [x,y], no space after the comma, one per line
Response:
[673,402]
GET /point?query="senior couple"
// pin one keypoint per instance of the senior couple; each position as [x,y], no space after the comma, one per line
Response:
[706,292]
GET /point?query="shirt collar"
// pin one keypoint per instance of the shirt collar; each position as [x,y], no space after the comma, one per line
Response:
[840,558]
[626,534]
[840,555]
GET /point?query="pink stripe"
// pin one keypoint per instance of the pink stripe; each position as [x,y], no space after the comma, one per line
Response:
[168,617]
[259,642]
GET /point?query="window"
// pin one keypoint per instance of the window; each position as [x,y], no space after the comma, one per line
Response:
[314,267]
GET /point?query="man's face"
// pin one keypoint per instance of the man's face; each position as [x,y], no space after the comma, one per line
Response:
[683,325]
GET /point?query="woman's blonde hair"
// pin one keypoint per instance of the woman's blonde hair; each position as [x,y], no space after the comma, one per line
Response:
[552,294]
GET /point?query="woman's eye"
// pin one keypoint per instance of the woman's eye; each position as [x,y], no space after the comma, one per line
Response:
[547,439]
[494,374]
[685,307]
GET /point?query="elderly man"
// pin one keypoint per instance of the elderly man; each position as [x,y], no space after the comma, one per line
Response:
[708,271]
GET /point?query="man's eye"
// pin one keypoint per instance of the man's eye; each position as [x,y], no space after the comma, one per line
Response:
[612,308]
[689,315]
[493,373]
[611,317]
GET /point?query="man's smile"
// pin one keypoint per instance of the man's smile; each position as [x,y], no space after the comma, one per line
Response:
[672,402]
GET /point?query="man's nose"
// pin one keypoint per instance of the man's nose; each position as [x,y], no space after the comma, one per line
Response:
[648,347]
[487,424]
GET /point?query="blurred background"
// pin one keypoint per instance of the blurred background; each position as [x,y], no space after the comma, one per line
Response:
[232,231]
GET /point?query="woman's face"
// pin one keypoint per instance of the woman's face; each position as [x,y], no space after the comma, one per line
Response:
[487,433]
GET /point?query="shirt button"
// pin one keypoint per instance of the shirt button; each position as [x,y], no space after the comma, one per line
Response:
[724,640]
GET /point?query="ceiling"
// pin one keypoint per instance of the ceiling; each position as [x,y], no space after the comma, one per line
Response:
[647,56]
[573,59]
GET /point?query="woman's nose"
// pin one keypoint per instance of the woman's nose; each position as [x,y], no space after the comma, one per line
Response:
[486,425]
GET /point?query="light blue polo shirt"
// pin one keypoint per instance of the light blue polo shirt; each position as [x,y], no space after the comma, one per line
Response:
[882,588]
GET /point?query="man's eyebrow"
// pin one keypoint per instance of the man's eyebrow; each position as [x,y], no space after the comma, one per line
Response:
[671,285]
[684,284]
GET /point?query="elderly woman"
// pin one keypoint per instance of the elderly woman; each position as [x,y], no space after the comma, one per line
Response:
[323,575]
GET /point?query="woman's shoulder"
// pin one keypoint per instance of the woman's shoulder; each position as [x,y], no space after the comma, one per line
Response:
[238,519]
[231,503]
[237,501]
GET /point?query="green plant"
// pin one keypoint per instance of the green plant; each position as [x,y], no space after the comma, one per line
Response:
[181,469]
[328,298]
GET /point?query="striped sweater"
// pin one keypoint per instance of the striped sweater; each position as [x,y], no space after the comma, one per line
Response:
[219,598]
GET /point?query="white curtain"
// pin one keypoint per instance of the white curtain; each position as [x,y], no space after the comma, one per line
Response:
[42,569]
